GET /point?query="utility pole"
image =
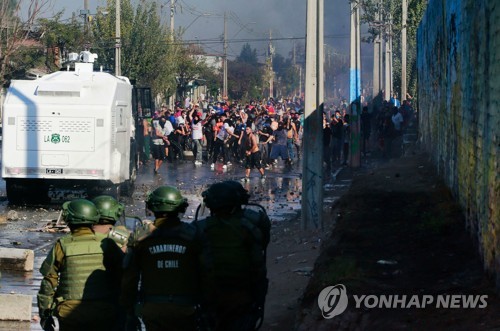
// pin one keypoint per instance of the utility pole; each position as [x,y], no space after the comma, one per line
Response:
[388,62]
[224,83]
[299,67]
[86,18]
[327,72]
[118,65]
[355,90]
[300,81]
[172,26]
[380,54]
[171,98]
[312,172]
[294,60]
[377,60]
[85,14]
[391,69]
[403,49]
[270,66]
[320,67]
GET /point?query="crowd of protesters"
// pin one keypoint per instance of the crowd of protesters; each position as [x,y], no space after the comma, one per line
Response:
[260,133]
[390,122]
[256,134]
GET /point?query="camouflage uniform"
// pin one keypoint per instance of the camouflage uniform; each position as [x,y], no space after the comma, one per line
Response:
[80,277]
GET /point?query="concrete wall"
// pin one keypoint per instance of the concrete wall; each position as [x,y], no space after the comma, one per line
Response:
[459,102]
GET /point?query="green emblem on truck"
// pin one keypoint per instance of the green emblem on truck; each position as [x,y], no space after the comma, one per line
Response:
[56,138]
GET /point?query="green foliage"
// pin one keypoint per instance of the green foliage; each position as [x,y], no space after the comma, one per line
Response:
[103,31]
[416,9]
[9,7]
[146,54]
[287,74]
[211,77]
[279,64]
[16,37]
[247,55]
[67,36]
[25,59]
[244,75]
[188,68]
[289,80]
[244,80]
[145,48]
[55,33]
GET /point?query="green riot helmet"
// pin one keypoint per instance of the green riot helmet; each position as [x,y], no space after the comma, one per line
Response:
[109,209]
[225,194]
[166,199]
[80,212]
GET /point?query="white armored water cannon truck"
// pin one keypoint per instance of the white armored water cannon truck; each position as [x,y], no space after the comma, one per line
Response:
[68,134]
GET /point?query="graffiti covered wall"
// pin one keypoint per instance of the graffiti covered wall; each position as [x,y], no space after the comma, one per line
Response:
[459,102]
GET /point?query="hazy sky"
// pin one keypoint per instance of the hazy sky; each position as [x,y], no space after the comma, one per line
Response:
[248,20]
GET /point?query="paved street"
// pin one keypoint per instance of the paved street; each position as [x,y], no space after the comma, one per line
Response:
[280,193]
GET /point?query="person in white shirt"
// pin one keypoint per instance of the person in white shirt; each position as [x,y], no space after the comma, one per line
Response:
[397,120]
[180,119]
[196,134]
[160,142]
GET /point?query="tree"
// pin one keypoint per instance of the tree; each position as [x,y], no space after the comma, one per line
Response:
[59,38]
[244,80]
[148,55]
[290,80]
[103,31]
[416,9]
[287,74]
[245,75]
[247,55]
[189,68]
[145,50]
[25,59]
[15,31]
[212,78]
[336,68]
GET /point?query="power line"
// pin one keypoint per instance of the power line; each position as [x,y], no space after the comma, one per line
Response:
[218,41]
[244,40]
[193,11]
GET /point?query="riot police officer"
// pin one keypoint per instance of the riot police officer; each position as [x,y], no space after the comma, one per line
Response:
[79,274]
[237,239]
[168,265]
[111,214]
[110,211]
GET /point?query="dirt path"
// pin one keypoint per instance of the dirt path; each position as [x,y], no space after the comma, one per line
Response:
[400,232]
[291,258]
[292,254]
